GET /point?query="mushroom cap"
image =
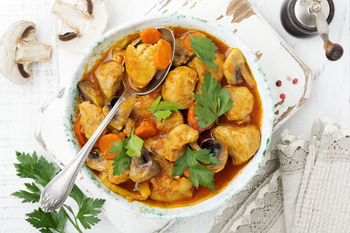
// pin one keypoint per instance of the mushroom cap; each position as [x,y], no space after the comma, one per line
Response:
[141,171]
[9,66]
[82,23]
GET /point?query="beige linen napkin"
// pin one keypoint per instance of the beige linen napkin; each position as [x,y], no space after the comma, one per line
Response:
[302,186]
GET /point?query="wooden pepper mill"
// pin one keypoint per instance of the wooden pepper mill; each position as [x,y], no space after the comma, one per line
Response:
[304,18]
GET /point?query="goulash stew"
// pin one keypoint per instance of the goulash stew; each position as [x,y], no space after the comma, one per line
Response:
[185,141]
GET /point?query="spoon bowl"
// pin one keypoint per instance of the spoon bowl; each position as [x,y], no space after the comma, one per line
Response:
[56,192]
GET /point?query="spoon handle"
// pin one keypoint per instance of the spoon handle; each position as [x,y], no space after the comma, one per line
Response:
[57,191]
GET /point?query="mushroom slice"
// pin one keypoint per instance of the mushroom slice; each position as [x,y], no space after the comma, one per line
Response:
[182,55]
[219,150]
[89,93]
[18,49]
[234,64]
[95,162]
[82,23]
[140,170]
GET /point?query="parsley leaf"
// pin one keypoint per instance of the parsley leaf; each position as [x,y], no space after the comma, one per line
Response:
[134,145]
[126,149]
[41,171]
[212,103]
[204,49]
[198,173]
[33,196]
[38,169]
[88,210]
[45,221]
[162,110]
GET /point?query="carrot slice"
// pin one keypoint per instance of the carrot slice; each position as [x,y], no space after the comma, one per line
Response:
[162,57]
[150,36]
[193,122]
[78,134]
[187,41]
[187,173]
[105,144]
[147,129]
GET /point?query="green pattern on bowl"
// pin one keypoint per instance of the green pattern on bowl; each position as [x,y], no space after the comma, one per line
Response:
[103,44]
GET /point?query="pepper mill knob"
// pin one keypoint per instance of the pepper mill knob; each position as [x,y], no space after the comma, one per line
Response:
[333,51]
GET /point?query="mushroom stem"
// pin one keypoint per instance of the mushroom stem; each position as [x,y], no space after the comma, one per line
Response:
[71,15]
[30,51]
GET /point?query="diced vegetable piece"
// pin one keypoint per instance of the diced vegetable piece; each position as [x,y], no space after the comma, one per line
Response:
[163,55]
[78,134]
[147,129]
[150,36]
[187,173]
[105,144]
[187,42]
[194,122]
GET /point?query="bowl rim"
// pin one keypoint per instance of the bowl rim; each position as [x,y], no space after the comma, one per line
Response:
[239,182]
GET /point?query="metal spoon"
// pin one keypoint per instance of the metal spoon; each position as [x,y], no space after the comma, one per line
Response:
[57,191]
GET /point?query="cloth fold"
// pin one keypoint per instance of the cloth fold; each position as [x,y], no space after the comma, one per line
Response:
[302,186]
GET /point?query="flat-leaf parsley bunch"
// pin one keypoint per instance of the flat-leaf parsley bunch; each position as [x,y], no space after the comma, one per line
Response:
[42,172]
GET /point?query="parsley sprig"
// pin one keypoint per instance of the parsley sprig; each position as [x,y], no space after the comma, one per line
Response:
[162,110]
[41,172]
[198,173]
[212,103]
[126,149]
[204,49]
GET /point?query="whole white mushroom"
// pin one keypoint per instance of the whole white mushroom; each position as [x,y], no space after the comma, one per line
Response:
[18,49]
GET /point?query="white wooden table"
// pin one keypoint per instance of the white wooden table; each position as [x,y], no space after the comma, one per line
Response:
[19,105]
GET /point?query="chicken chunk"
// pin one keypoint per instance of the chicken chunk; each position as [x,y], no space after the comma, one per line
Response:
[242,142]
[116,179]
[179,86]
[139,63]
[143,103]
[180,136]
[91,118]
[124,111]
[165,126]
[243,103]
[159,145]
[236,64]
[181,55]
[109,75]
[201,69]
[166,188]
[118,55]
[173,146]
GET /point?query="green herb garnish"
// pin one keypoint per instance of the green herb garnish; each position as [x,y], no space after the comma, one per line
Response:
[42,172]
[162,110]
[212,103]
[198,173]
[204,49]
[126,149]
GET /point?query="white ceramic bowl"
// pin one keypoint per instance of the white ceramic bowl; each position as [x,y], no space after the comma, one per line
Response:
[225,35]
